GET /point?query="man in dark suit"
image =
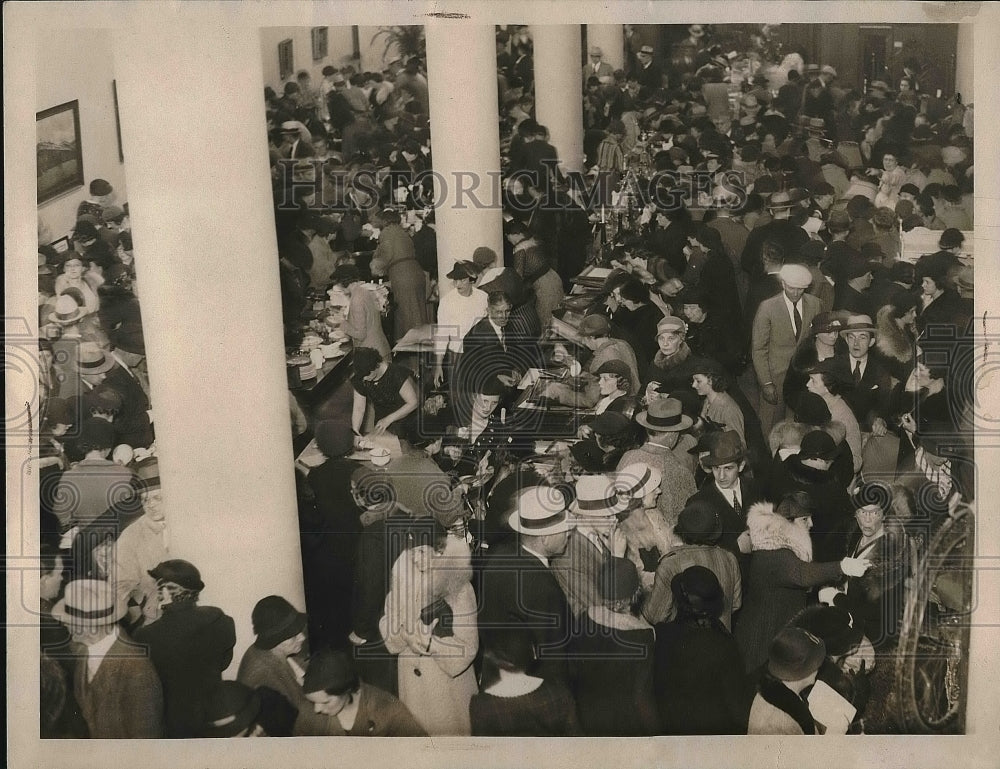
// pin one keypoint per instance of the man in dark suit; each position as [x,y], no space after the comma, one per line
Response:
[730,492]
[870,397]
[648,72]
[132,423]
[493,348]
[778,326]
[519,588]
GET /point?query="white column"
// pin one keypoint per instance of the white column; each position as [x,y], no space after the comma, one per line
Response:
[558,91]
[461,75]
[610,38]
[965,62]
[207,264]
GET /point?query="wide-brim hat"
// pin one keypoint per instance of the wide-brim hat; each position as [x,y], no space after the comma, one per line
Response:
[89,602]
[648,50]
[665,416]
[541,510]
[727,448]
[794,654]
[463,270]
[638,479]
[275,620]
[230,709]
[91,359]
[66,311]
[858,323]
[827,322]
[597,496]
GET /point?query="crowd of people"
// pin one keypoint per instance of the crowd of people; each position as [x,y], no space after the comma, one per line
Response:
[751,420]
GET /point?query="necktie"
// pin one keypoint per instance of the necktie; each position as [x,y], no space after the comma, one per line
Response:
[737,507]
[797,317]
[857,371]
[503,341]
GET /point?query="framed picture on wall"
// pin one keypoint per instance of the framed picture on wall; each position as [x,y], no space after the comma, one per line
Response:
[286,59]
[60,156]
[319,43]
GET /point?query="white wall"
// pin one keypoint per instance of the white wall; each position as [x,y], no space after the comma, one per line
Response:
[79,64]
[340,49]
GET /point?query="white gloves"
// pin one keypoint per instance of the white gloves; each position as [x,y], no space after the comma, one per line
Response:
[854,567]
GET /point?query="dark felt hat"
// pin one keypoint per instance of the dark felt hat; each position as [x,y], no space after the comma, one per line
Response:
[811,409]
[619,579]
[463,270]
[330,671]
[230,708]
[100,187]
[179,572]
[698,523]
[794,654]
[610,423]
[835,626]
[697,590]
[818,444]
[275,620]
[725,449]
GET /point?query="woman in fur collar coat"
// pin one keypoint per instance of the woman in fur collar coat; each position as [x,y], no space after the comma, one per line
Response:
[781,573]
[430,622]
[895,338]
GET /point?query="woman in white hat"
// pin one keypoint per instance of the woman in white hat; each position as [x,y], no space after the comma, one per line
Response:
[647,536]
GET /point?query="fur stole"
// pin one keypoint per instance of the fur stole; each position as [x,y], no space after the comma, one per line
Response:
[664,362]
[890,340]
[770,531]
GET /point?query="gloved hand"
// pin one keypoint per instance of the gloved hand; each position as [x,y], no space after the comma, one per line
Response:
[650,557]
[854,567]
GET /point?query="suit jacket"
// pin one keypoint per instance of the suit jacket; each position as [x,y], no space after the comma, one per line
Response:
[125,699]
[132,424]
[603,70]
[870,397]
[578,572]
[773,339]
[733,523]
[520,590]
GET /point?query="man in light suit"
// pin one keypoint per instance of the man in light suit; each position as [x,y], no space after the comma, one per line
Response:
[597,67]
[777,328]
